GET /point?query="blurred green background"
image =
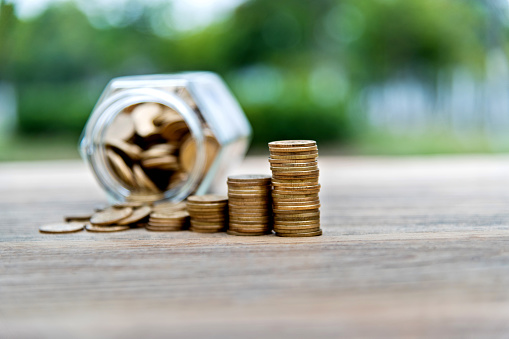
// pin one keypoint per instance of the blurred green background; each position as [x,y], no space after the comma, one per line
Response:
[358,76]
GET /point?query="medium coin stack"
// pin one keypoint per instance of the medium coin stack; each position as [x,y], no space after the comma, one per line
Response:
[295,193]
[168,221]
[249,205]
[209,213]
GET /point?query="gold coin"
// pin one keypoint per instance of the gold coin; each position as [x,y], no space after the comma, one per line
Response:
[169,206]
[282,180]
[295,217]
[144,197]
[282,174]
[78,218]
[294,190]
[121,128]
[243,178]
[280,209]
[143,181]
[164,229]
[292,143]
[237,233]
[137,215]
[132,151]
[198,223]
[170,215]
[286,169]
[244,219]
[120,167]
[293,231]
[200,230]
[291,184]
[262,196]
[110,215]
[302,228]
[250,228]
[310,234]
[293,149]
[249,204]
[291,158]
[96,228]
[188,153]
[290,205]
[68,227]
[174,129]
[133,204]
[291,154]
[296,163]
[206,199]
[143,116]
[295,198]
[167,162]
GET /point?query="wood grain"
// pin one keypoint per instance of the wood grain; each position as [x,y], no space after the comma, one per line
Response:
[412,247]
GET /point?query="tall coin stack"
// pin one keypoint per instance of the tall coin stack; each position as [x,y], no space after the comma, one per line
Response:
[209,213]
[295,193]
[250,211]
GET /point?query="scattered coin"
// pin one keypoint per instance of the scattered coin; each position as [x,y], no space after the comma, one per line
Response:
[110,215]
[78,218]
[68,227]
[97,228]
[138,214]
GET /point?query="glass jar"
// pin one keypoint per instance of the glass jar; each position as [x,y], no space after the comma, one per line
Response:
[164,137]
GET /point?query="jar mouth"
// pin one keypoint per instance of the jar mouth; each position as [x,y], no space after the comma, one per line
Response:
[107,112]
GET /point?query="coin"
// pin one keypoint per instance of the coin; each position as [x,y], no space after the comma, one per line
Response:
[257,178]
[164,229]
[296,231]
[96,228]
[121,169]
[292,143]
[68,227]
[232,232]
[293,149]
[142,180]
[78,218]
[121,128]
[283,228]
[309,234]
[110,215]
[200,230]
[207,199]
[292,158]
[143,116]
[169,206]
[137,215]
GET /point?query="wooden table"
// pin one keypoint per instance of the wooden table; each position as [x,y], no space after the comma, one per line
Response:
[412,247]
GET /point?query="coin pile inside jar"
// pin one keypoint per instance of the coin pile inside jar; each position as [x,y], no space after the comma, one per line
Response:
[150,150]
[209,213]
[295,193]
[249,206]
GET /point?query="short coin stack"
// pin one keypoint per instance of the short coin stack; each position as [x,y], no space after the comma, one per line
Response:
[249,205]
[209,213]
[295,194]
[167,217]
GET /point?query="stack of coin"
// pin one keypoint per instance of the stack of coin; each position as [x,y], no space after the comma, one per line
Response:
[295,191]
[249,205]
[208,213]
[149,149]
[168,221]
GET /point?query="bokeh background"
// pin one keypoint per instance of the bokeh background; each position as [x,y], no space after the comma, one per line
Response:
[359,76]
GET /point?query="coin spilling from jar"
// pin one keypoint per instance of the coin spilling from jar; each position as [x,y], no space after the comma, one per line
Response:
[150,150]
[286,201]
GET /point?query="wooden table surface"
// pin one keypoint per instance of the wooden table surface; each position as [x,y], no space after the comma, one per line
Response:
[412,247]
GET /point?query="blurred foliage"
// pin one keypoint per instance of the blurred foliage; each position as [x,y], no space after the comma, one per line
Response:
[295,66]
